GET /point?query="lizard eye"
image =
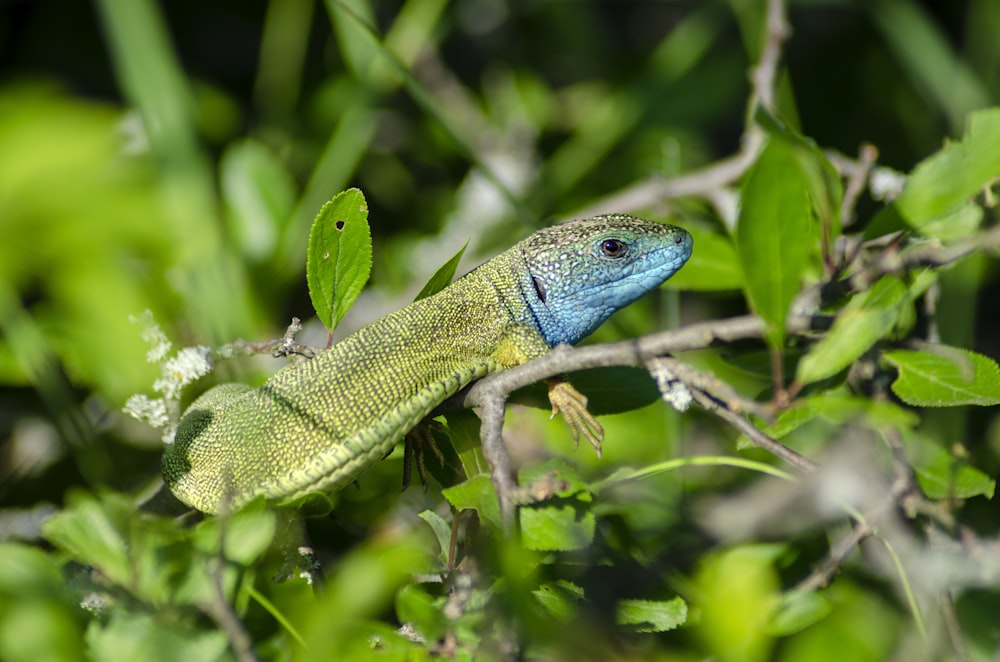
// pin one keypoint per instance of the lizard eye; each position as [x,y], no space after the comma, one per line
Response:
[613,248]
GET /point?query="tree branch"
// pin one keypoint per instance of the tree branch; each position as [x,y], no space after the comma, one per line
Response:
[708,182]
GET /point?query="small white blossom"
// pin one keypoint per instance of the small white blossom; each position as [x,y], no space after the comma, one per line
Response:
[143,408]
[95,603]
[169,433]
[886,184]
[188,365]
[673,390]
[152,335]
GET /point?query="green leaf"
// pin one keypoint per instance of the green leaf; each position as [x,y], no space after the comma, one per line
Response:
[144,637]
[955,224]
[28,571]
[822,180]
[839,407]
[441,529]
[712,267]
[942,475]
[560,599]
[945,377]
[248,533]
[956,173]
[652,615]
[867,318]
[87,531]
[565,474]
[259,194]
[561,523]
[797,611]
[557,525]
[739,580]
[419,609]
[773,235]
[478,494]
[34,629]
[443,276]
[339,258]
[463,431]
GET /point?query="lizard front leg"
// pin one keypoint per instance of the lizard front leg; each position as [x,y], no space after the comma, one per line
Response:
[521,345]
[572,404]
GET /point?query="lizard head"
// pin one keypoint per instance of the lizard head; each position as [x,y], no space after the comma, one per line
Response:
[580,273]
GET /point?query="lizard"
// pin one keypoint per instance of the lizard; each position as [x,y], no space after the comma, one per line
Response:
[315,426]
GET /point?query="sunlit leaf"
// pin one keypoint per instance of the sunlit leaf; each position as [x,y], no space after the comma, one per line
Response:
[562,519]
[772,237]
[478,494]
[248,533]
[651,615]
[91,535]
[943,475]
[822,180]
[557,524]
[945,377]
[959,171]
[340,256]
[443,276]
[869,317]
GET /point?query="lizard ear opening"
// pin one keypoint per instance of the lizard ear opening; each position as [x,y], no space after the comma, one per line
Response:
[539,288]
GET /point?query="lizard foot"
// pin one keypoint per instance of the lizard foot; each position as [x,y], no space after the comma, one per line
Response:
[572,404]
[415,443]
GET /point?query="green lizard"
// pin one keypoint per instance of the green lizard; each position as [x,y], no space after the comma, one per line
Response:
[316,426]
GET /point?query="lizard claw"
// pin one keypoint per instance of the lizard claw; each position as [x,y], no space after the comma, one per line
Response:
[416,442]
[572,404]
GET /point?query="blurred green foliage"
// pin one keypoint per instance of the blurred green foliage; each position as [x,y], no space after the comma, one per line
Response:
[172,156]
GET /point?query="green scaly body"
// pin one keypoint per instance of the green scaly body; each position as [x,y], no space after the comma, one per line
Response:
[317,425]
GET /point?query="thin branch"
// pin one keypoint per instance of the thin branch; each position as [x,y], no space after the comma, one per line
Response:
[491,413]
[758,438]
[490,394]
[856,173]
[283,346]
[821,576]
[220,611]
[765,75]
[710,384]
[634,353]
[701,183]
[953,628]
[707,182]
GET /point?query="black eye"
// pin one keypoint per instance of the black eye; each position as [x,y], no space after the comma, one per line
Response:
[613,248]
[678,239]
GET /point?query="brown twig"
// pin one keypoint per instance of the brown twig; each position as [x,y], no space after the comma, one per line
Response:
[220,611]
[283,346]
[758,438]
[856,174]
[821,576]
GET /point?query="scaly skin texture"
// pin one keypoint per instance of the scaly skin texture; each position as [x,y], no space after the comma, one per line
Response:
[317,425]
